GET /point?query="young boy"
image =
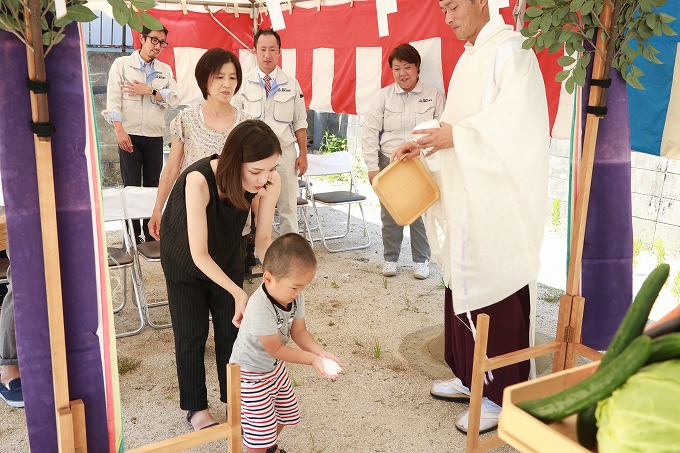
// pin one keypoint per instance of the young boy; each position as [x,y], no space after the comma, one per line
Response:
[274,314]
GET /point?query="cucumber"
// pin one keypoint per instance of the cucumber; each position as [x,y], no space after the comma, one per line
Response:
[631,327]
[638,313]
[665,348]
[592,389]
[586,427]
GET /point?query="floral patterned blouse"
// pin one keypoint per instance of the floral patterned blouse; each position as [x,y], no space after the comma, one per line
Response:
[200,141]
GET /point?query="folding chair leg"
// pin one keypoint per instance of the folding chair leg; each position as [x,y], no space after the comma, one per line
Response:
[123,290]
[139,295]
[324,239]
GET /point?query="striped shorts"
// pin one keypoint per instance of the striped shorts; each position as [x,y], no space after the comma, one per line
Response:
[267,400]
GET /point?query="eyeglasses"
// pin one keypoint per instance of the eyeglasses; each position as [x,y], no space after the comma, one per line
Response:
[155,41]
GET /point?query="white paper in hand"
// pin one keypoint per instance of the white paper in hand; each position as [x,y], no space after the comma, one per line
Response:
[331,368]
[432,161]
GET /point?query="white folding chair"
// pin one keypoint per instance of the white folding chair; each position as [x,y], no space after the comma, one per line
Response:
[338,163]
[122,258]
[139,203]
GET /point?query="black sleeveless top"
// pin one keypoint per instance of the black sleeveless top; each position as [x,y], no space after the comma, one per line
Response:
[225,227]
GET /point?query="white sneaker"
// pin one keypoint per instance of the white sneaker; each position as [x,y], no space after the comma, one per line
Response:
[450,390]
[389,269]
[488,420]
[421,270]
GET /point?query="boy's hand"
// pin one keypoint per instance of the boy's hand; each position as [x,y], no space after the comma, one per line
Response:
[328,355]
[318,366]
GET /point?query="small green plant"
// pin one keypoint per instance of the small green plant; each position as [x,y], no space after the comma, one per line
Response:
[410,307]
[675,290]
[555,216]
[295,383]
[442,283]
[128,364]
[638,246]
[384,282]
[334,285]
[659,251]
[251,281]
[377,350]
[168,397]
[331,143]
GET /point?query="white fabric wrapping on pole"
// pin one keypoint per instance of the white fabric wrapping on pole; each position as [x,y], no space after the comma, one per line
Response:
[670,140]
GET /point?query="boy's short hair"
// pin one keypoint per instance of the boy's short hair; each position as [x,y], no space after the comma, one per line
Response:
[288,254]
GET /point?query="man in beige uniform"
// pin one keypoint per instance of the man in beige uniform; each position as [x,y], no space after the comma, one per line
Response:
[271,95]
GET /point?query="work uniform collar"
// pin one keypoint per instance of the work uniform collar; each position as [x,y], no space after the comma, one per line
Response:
[416,89]
[139,63]
[272,76]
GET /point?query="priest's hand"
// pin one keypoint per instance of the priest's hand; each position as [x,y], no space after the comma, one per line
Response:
[406,151]
[436,138]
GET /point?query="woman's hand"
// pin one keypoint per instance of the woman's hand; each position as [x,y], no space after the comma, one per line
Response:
[155,225]
[240,299]
[371,175]
[406,151]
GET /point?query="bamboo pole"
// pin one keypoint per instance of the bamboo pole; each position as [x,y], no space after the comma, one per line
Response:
[48,222]
[571,304]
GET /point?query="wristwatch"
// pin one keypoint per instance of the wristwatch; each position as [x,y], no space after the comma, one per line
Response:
[154,92]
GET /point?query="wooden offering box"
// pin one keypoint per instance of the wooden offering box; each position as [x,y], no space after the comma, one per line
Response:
[406,190]
[528,434]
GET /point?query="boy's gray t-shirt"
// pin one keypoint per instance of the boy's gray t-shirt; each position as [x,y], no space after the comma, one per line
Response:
[263,316]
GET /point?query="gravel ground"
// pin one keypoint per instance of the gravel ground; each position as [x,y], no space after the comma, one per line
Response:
[388,333]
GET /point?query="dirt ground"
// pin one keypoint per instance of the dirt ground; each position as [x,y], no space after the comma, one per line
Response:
[387,332]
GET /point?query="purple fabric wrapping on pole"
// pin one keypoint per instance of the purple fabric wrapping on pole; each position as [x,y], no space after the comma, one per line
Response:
[76,242]
[607,276]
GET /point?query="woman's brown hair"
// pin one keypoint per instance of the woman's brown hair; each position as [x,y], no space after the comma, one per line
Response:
[250,141]
[210,64]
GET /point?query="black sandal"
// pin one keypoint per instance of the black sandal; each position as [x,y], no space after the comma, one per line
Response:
[190,414]
[274,448]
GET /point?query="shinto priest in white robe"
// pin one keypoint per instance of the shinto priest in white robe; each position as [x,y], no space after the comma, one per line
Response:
[487,227]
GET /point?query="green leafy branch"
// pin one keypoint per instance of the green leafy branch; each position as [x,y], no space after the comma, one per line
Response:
[13,17]
[568,24]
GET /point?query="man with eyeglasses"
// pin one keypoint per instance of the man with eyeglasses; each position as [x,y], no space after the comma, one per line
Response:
[139,91]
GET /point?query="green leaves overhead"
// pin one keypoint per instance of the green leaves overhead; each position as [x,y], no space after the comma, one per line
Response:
[132,14]
[563,25]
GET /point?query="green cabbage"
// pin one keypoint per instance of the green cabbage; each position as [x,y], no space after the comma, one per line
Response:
[643,415]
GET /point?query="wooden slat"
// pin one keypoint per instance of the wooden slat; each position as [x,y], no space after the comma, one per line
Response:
[3,233]
[588,353]
[187,441]
[521,355]
[79,428]
[587,159]
[477,385]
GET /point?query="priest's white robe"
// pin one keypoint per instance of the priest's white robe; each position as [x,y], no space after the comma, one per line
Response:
[487,227]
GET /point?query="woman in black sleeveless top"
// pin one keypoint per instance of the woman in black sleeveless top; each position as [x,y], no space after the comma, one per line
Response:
[202,257]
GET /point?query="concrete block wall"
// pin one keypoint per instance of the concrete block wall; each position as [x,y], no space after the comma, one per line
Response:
[655,191]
